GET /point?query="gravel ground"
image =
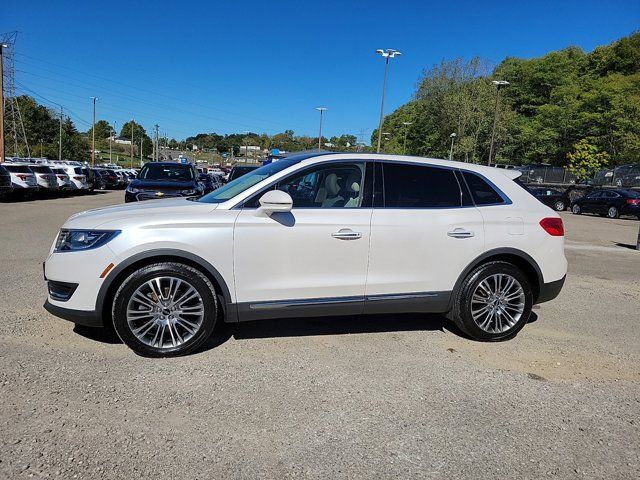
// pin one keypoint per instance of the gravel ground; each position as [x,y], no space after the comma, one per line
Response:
[379,396]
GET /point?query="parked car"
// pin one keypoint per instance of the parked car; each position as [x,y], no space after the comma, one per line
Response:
[110,178]
[99,182]
[123,178]
[46,178]
[551,197]
[207,182]
[544,173]
[64,181]
[630,177]
[309,235]
[22,179]
[77,177]
[240,170]
[5,182]
[164,180]
[609,202]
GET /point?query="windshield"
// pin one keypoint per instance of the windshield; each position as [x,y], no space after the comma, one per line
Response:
[239,185]
[155,171]
[41,169]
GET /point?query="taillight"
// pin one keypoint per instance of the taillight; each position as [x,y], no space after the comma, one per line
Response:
[633,201]
[553,226]
[22,176]
[77,178]
[61,177]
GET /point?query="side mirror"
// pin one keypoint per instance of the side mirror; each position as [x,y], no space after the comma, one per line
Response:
[275,201]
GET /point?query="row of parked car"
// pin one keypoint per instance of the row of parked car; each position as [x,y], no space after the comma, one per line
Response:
[610,202]
[25,177]
[622,176]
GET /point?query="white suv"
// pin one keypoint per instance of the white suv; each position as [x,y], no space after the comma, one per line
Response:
[310,235]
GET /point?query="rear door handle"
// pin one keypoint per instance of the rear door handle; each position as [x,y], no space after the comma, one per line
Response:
[460,233]
[346,234]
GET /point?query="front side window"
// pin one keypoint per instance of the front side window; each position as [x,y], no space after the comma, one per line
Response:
[420,186]
[330,185]
[481,191]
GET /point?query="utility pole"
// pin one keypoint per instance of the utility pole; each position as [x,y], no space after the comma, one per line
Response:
[499,84]
[93,135]
[132,123]
[387,54]
[2,47]
[156,153]
[60,139]
[141,142]
[321,110]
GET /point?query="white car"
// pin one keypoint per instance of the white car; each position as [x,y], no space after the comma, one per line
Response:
[23,180]
[310,235]
[46,178]
[64,180]
[77,177]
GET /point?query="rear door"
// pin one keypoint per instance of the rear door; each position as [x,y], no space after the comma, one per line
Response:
[424,232]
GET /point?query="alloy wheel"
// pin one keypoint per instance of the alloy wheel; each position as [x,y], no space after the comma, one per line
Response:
[165,312]
[498,303]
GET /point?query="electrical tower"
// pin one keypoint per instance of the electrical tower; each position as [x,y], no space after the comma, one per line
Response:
[15,135]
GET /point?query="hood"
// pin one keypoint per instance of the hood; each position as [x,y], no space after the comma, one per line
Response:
[149,209]
[162,184]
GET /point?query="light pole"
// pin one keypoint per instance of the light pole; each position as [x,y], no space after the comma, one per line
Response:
[132,123]
[453,138]
[386,54]
[93,134]
[386,136]
[321,110]
[406,130]
[499,84]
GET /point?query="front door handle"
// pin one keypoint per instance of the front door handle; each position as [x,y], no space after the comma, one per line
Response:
[346,234]
[460,233]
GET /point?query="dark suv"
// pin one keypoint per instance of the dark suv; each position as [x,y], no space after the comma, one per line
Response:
[164,180]
[5,182]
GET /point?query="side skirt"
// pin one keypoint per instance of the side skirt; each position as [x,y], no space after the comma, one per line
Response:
[421,302]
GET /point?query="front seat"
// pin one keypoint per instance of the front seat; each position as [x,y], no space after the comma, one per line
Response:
[332,188]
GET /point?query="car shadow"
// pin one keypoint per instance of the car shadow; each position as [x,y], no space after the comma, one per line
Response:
[307,327]
[626,245]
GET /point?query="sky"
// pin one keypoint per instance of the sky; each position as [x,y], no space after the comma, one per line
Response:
[263,66]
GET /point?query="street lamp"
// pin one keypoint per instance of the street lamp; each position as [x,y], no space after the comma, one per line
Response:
[386,54]
[453,138]
[404,147]
[499,84]
[321,110]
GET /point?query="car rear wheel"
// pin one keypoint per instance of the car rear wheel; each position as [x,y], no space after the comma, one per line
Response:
[612,212]
[165,309]
[494,302]
[576,209]
[559,206]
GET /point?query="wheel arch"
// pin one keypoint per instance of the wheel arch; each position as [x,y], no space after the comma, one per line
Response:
[135,262]
[514,256]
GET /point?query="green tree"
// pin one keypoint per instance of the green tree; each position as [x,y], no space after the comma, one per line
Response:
[585,159]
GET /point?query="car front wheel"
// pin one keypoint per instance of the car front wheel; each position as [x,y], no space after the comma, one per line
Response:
[494,302]
[576,209]
[559,206]
[165,309]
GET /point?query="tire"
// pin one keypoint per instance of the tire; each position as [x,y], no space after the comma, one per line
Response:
[576,209]
[559,206]
[155,325]
[618,182]
[613,212]
[501,326]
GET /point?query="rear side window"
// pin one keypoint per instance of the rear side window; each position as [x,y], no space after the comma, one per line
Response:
[78,171]
[481,191]
[419,186]
[41,169]
[18,168]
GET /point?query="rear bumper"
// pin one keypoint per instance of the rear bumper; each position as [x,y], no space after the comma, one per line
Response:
[89,318]
[549,291]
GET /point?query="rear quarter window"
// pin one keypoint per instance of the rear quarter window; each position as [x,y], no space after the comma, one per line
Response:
[481,190]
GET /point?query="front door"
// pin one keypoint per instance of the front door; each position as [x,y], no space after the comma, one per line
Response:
[313,258]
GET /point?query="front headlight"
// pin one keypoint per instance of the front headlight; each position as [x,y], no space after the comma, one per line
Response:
[74,240]
[131,189]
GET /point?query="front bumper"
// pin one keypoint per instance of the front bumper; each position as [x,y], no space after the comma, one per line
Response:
[89,318]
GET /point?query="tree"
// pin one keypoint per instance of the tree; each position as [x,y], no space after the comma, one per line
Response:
[585,159]
[139,136]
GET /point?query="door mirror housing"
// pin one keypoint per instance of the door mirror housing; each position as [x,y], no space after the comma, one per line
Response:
[275,201]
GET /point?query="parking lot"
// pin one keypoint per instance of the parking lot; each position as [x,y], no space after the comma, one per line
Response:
[378,396]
